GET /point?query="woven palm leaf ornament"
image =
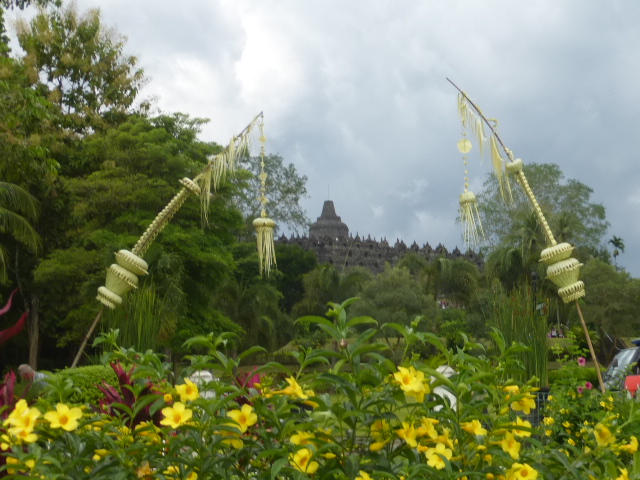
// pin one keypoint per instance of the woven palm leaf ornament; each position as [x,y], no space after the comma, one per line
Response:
[122,276]
[263,225]
[469,216]
[562,270]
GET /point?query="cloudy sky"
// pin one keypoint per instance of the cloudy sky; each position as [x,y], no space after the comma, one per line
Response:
[355,95]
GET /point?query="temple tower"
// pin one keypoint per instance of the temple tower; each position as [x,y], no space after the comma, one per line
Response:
[328,225]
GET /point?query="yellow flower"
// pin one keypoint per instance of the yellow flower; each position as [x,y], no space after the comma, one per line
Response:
[524,404]
[244,417]
[445,438]
[631,447]
[231,438]
[171,471]
[603,435]
[187,391]
[174,472]
[624,474]
[512,389]
[144,470]
[176,416]
[362,475]
[521,432]
[408,433]
[302,438]
[428,427]
[435,456]
[381,433]
[411,381]
[168,398]
[14,461]
[548,421]
[510,445]
[521,471]
[474,427]
[293,390]
[572,441]
[149,432]
[302,461]
[22,420]
[64,417]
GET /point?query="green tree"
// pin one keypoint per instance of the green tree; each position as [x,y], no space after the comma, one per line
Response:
[285,187]
[27,138]
[326,284]
[18,209]
[394,296]
[293,263]
[137,168]
[81,67]
[618,248]
[566,204]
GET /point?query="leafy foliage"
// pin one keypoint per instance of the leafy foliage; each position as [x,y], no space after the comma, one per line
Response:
[567,205]
[85,381]
[285,188]
[357,416]
[80,67]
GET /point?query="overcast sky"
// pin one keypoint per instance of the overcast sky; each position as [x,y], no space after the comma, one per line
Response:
[354,94]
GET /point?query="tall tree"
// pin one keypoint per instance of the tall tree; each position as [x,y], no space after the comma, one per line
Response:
[137,169]
[564,203]
[73,81]
[81,66]
[326,284]
[285,188]
[618,247]
[394,296]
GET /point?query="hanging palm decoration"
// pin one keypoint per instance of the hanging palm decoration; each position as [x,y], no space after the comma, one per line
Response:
[562,270]
[264,225]
[469,216]
[122,276]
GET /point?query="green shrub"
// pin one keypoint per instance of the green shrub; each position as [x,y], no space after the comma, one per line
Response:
[562,375]
[85,382]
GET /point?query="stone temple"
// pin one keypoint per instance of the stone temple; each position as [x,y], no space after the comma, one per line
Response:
[329,237]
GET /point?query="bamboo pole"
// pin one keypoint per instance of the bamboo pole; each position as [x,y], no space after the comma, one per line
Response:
[86,338]
[593,353]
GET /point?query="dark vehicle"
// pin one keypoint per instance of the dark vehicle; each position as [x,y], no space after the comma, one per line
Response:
[623,364]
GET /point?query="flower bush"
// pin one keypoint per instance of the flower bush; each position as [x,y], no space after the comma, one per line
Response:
[345,414]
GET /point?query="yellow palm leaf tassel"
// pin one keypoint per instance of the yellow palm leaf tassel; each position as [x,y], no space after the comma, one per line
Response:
[469,215]
[263,225]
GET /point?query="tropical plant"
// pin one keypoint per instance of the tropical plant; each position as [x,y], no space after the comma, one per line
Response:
[18,209]
[618,248]
[515,316]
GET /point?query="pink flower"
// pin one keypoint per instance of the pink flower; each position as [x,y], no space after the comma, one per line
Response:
[580,390]
[582,361]
[588,385]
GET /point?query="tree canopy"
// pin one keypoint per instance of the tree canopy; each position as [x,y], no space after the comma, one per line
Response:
[567,205]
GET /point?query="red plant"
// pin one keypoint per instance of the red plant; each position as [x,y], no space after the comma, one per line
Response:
[247,380]
[116,399]
[7,400]
[17,327]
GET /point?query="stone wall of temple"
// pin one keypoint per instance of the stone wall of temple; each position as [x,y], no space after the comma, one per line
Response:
[329,238]
[371,254]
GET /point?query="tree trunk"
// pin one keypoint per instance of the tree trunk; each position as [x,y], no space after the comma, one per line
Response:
[33,327]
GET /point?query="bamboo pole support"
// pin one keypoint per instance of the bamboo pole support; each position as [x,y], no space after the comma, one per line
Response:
[593,353]
[86,338]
